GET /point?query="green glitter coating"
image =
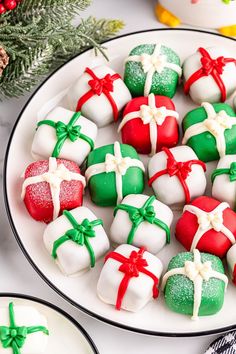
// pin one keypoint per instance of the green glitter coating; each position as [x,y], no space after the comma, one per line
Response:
[204,144]
[162,84]
[179,290]
[103,186]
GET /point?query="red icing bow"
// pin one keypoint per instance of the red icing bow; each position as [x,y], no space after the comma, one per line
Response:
[179,169]
[131,267]
[102,85]
[210,66]
[98,86]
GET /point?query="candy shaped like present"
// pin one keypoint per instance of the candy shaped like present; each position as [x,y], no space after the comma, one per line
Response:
[141,220]
[195,284]
[210,131]
[50,186]
[23,330]
[149,123]
[76,240]
[152,68]
[100,95]
[208,225]
[231,261]
[64,134]
[129,278]
[176,175]
[224,180]
[113,172]
[210,75]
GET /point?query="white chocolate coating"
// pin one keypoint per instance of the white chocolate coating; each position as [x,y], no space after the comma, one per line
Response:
[98,108]
[140,289]
[169,189]
[231,260]
[45,138]
[198,90]
[35,343]
[71,257]
[223,189]
[205,13]
[149,235]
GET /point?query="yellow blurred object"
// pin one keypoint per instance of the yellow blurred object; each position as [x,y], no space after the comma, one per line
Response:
[228,31]
[166,17]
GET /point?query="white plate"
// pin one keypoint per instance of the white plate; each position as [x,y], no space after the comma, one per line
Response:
[155,318]
[64,332]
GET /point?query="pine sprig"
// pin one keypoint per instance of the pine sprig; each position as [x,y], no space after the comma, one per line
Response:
[39,36]
[58,10]
[25,72]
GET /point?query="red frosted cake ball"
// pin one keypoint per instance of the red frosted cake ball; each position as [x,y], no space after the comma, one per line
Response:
[51,186]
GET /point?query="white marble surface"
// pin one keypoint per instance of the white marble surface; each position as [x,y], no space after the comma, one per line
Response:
[17,275]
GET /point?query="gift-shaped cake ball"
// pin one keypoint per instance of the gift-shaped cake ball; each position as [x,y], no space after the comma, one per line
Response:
[64,134]
[113,172]
[231,261]
[210,75]
[23,330]
[141,220]
[210,131]
[176,175]
[224,180]
[195,284]
[149,123]
[50,186]
[76,240]
[129,278]
[99,94]
[208,225]
[152,68]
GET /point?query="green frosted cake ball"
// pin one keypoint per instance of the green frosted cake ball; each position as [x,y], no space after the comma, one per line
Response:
[210,131]
[152,68]
[195,284]
[114,171]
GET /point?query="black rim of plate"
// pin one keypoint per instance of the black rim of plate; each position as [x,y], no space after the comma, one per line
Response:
[27,255]
[56,309]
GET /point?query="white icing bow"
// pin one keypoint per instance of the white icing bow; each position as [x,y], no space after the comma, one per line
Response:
[117,164]
[218,122]
[211,221]
[57,175]
[195,269]
[148,114]
[153,62]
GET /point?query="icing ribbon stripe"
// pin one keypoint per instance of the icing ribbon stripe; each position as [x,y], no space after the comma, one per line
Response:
[66,131]
[98,86]
[139,215]
[114,163]
[208,221]
[198,273]
[151,115]
[210,67]
[216,123]
[80,234]
[55,175]
[152,63]
[178,169]
[231,171]
[131,267]
[14,336]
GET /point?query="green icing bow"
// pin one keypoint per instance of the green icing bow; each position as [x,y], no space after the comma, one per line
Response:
[66,131]
[14,337]
[80,234]
[139,215]
[231,171]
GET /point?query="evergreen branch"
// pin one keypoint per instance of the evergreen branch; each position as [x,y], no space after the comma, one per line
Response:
[22,74]
[57,10]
